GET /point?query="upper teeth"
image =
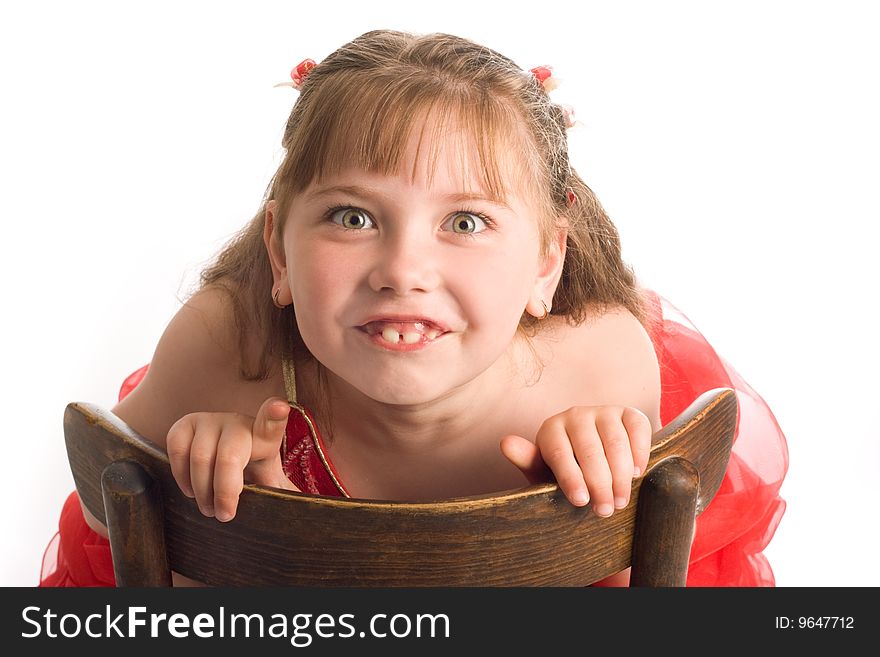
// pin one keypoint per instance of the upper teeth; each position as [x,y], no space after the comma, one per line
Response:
[390,334]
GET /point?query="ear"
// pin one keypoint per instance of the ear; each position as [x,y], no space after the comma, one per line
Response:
[550,271]
[275,250]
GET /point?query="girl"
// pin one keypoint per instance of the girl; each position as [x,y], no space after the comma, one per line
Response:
[430,303]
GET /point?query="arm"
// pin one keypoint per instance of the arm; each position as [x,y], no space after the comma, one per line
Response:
[195,362]
[195,368]
[595,449]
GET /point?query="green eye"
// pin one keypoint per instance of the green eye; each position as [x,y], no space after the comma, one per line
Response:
[353,218]
[466,223]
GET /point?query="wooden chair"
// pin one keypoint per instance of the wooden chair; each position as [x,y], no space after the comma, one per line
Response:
[528,537]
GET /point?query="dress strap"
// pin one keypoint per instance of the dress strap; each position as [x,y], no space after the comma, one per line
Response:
[289,379]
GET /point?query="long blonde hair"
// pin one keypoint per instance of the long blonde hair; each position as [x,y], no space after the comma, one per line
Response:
[357,107]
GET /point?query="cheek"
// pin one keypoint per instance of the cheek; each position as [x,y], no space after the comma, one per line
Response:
[320,282]
[496,287]
[318,268]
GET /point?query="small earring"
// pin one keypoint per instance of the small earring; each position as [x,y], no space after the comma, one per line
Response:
[275,294]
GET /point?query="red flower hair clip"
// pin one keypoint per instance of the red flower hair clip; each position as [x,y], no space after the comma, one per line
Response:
[544,76]
[299,74]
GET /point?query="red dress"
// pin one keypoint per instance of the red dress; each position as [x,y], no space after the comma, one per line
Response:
[731,533]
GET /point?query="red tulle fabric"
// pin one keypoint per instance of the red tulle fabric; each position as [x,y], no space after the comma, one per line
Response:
[731,533]
[740,521]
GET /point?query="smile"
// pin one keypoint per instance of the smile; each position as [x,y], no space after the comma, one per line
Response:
[402,335]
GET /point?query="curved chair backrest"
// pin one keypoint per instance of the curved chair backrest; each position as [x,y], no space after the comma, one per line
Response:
[527,537]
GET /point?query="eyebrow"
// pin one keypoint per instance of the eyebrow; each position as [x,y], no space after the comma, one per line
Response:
[459,198]
[365,192]
[354,190]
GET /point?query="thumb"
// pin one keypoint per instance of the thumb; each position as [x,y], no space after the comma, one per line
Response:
[525,455]
[269,427]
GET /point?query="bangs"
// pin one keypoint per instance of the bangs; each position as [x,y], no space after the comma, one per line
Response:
[369,122]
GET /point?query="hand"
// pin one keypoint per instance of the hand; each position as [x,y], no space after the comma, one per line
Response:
[593,451]
[211,454]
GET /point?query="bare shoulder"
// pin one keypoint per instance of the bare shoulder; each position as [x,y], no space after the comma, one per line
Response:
[195,367]
[613,355]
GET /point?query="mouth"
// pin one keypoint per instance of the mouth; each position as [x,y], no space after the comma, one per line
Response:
[403,332]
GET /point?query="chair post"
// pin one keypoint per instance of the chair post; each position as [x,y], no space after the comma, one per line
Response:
[665,524]
[133,509]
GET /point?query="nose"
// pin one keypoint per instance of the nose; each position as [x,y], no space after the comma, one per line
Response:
[405,262]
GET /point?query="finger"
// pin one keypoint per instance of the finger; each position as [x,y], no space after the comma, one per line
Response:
[268,428]
[640,432]
[593,464]
[618,454]
[177,445]
[525,455]
[557,452]
[233,453]
[201,467]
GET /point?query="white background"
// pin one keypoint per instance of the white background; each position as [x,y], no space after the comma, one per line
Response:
[736,145]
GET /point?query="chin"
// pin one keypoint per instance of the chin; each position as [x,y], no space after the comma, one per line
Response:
[400,397]
[402,393]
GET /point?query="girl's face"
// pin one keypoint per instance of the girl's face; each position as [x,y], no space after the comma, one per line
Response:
[409,286]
